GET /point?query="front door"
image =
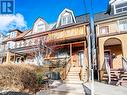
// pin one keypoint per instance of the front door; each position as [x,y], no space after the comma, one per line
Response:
[108,59]
[81,58]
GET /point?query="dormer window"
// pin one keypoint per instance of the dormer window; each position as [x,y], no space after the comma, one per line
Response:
[39,26]
[66,17]
[66,20]
[12,34]
[121,7]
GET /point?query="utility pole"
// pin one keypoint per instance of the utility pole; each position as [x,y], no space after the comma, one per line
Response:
[92,48]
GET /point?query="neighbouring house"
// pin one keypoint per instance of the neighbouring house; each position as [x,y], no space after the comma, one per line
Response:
[111,31]
[2,48]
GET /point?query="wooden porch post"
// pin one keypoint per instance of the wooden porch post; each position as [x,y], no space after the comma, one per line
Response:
[71,52]
[14,57]
[85,54]
[86,75]
[8,57]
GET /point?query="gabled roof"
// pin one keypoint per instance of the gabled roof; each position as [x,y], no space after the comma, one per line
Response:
[2,34]
[102,16]
[16,38]
[16,30]
[38,19]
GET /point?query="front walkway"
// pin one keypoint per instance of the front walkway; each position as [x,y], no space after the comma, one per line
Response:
[65,89]
[105,89]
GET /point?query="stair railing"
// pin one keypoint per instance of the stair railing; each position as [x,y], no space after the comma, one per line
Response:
[108,70]
[124,62]
[67,67]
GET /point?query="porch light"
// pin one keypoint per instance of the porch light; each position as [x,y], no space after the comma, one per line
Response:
[113,55]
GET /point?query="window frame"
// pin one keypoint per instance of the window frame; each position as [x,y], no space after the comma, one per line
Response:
[122,24]
[115,9]
[103,27]
[66,18]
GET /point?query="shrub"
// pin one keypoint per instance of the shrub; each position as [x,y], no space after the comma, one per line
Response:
[17,77]
[40,79]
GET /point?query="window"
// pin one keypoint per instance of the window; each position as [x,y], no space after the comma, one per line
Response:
[40,27]
[66,20]
[63,53]
[123,25]
[120,8]
[10,45]
[12,34]
[69,19]
[104,30]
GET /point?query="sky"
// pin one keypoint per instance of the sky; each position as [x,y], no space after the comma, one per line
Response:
[27,11]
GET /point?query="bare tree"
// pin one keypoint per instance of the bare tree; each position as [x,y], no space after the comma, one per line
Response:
[42,49]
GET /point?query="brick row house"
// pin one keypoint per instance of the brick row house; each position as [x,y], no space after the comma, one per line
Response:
[68,38]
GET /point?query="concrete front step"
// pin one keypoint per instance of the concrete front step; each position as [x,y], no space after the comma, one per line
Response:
[74,73]
[73,76]
[74,82]
[75,69]
[72,79]
[113,79]
[123,75]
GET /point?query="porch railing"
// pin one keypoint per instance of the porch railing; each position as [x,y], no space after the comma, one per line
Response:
[61,65]
[124,62]
[108,70]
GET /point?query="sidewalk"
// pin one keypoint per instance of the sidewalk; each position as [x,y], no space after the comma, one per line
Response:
[105,89]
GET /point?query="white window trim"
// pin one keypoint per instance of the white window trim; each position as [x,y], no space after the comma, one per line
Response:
[118,8]
[66,20]
[119,25]
[107,28]
[36,24]
[65,10]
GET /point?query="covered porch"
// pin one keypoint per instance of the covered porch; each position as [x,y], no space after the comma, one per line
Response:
[112,58]
[113,53]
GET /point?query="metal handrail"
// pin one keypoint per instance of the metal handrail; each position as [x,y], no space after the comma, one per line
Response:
[108,70]
[124,62]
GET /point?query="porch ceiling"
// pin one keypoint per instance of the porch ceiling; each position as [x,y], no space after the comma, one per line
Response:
[110,42]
